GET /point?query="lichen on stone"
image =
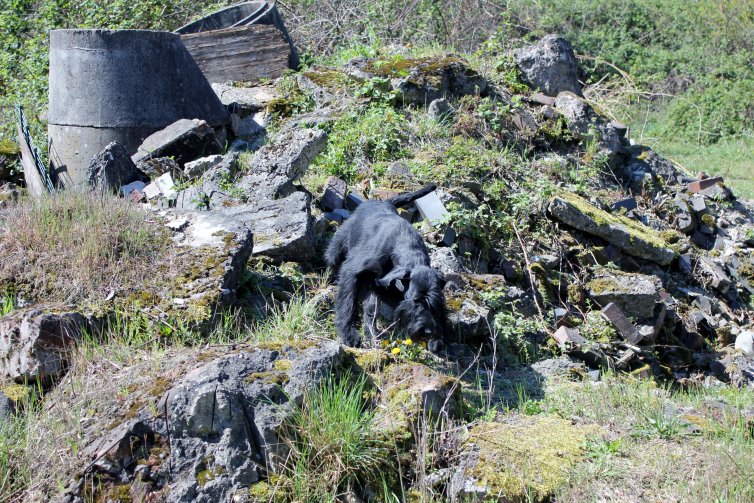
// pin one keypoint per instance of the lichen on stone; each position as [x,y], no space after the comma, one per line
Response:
[526,458]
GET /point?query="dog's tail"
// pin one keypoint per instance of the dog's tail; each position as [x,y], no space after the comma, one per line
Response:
[408,197]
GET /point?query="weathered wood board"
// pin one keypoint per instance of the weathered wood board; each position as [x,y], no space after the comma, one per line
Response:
[240,54]
[34,183]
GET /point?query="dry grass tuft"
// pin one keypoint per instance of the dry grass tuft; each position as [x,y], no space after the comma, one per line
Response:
[76,247]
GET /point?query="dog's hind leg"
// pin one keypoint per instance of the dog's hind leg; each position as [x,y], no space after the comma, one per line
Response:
[346,314]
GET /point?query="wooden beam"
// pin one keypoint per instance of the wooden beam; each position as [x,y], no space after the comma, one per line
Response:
[240,54]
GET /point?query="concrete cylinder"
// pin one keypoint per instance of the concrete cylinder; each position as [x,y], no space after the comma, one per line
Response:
[119,85]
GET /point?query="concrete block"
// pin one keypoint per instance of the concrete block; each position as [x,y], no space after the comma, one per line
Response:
[431,208]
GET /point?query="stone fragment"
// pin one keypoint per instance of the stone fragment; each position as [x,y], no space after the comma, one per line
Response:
[745,343]
[177,224]
[137,196]
[353,201]
[431,208]
[625,234]
[166,185]
[439,108]
[445,260]
[184,140]
[126,190]
[589,126]
[625,204]
[614,315]
[152,190]
[334,193]
[636,294]
[36,345]
[550,66]
[717,277]
[7,407]
[542,99]
[470,321]
[565,337]
[697,204]
[278,164]
[198,167]
[700,185]
[111,168]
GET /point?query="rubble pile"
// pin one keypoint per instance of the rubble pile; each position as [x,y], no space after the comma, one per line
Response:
[643,269]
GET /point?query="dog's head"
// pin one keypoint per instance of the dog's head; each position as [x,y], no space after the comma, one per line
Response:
[422,310]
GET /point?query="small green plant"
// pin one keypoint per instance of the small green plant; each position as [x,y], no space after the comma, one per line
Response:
[333,441]
[514,333]
[361,137]
[659,424]
[405,349]
[9,302]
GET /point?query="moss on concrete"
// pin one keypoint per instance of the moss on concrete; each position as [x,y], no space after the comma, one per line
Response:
[526,458]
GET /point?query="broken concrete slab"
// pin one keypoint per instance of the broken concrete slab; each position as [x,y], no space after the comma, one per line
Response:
[431,208]
[183,140]
[334,194]
[251,99]
[35,343]
[283,228]
[282,161]
[219,245]
[625,234]
[198,167]
[111,168]
[636,294]
[626,329]
[550,65]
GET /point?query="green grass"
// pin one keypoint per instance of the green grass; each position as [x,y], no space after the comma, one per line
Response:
[661,442]
[334,442]
[732,159]
[76,246]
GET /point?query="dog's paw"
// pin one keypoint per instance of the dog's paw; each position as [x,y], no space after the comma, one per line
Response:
[352,338]
[435,345]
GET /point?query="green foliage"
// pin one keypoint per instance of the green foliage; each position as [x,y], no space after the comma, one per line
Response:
[8,302]
[24,40]
[361,137]
[333,440]
[595,328]
[514,334]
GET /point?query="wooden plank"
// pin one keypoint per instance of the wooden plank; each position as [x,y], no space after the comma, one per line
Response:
[34,184]
[240,54]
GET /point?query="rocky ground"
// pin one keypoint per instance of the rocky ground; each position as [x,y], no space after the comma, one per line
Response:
[600,299]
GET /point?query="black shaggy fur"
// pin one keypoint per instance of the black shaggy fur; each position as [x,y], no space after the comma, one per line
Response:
[379,257]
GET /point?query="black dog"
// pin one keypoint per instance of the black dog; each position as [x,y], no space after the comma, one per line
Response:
[379,257]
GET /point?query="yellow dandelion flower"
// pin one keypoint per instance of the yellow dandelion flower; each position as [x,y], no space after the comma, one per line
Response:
[396,351]
[423,344]
[408,342]
[385,344]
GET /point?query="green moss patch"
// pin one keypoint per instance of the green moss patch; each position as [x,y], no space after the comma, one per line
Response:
[527,458]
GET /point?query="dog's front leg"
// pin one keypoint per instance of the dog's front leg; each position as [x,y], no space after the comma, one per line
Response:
[346,314]
[370,305]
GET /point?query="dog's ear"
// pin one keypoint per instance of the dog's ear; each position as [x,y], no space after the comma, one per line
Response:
[397,277]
